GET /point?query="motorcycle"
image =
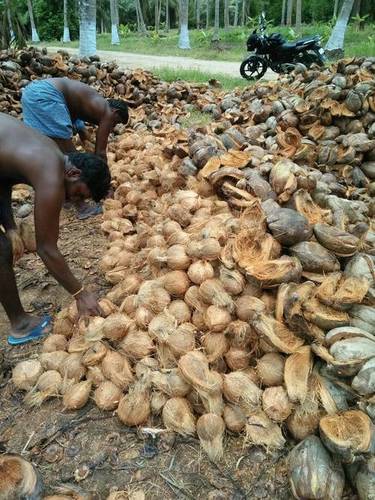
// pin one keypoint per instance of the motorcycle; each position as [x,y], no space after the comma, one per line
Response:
[273,51]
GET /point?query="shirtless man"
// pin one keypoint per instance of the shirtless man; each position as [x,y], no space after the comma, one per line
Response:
[57,107]
[29,158]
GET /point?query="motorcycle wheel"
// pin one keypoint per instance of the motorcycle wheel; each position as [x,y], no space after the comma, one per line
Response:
[253,68]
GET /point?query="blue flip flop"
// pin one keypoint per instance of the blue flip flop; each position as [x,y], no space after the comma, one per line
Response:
[35,334]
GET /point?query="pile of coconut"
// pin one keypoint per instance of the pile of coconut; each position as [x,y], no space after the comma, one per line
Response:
[242,302]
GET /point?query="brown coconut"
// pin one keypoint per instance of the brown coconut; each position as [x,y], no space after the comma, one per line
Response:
[116,368]
[134,408]
[276,404]
[210,430]
[107,395]
[26,373]
[77,395]
[270,369]
[178,417]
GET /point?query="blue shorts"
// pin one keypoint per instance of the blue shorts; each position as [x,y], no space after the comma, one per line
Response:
[44,109]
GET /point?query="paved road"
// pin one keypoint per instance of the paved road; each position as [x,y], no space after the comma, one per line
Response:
[128,60]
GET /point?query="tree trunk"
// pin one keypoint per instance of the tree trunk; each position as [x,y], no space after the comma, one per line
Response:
[336,8]
[215,35]
[167,22]
[207,14]
[66,34]
[226,14]
[10,22]
[34,34]
[140,20]
[283,12]
[87,27]
[243,13]
[289,13]
[357,8]
[198,7]
[184,42]
[115,39]
[298,15]
[235,20]
[335,44]
[157,16]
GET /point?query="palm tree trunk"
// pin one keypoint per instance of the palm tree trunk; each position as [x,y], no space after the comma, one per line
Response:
[243,13]
[335,44]
[226,14]
[235,20]
[156,12]
[167,22]
[87,27]
[198,7]
[34,34]
[184,41]
[115,39]
[336,8]
[10,22]
[66,35]
[140,20]
[207,14]
[298,15]
[283,12]
[289,13]
[215,35]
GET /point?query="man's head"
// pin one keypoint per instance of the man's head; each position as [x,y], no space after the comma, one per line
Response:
[86,176]
[120,109]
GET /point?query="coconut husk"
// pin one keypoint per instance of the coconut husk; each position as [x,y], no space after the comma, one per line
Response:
[194,368]
[305,205]
[26,373]
[210,430]
[339,242]
[297,370]
[324,317]
[134,408]
[270,369]
[276,403]
[261,431]
[170,383]
[277,334]
[364,383]
[341,292]
[19,478]
[282,180]
[348,434]
[249,249]
[363,317]
[178,417]
[240,390]
[107,395]
[288,226]
[77,395]
[313,473]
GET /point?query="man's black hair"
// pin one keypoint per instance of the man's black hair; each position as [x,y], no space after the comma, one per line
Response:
[122,109]
[94,173]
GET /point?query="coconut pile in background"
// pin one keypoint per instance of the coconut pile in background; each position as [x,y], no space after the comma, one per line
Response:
[241,256]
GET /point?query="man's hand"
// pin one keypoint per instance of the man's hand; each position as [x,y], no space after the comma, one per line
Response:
[87,305]
[17,244]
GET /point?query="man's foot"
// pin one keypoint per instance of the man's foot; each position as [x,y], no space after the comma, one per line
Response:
[85,211]
[33,330]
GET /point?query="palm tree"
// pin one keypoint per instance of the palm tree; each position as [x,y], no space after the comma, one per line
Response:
[198,11]
[289,12]
[34,34]
[226,14]
[298,15]
[10,22]
[207,14]
[283,12]
[167,22]
[115,40]
[335,44]
[87,27]
[243,14]
[140,20]
[66,35]
[335,8]
[215,35]
[235,20]
[184,41]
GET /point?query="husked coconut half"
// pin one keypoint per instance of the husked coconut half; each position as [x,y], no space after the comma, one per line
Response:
[297,370]
[261,431]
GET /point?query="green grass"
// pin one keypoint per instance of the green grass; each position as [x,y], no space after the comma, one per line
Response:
[232,44]
[196,119]
[196,76]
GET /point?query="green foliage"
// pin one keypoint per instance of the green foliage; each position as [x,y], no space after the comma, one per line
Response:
[50,21]
[125,30]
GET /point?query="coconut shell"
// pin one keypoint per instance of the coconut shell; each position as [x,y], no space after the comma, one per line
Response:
[314,257]
[322,316]
[288,226]
[297,370]
[273,273]
[363,317]
[216,318]
[313,473]
[364,479]
[261,431]
[348,434]
[341,292]
[237,358]
[364,382]
[356,349]
[276,404]
[305,419]
[19,478]
[178,417]
[176,283]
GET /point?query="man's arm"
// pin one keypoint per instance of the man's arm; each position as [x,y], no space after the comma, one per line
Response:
[48,201]
[66,145]
[104,129]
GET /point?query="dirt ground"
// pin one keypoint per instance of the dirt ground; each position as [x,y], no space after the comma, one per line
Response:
[89,453]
